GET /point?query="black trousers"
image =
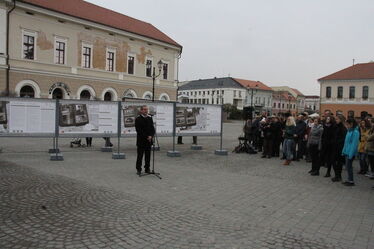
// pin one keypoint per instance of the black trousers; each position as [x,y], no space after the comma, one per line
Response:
[268,147]
[89,141]
[371,162]
[338,166]
[146,151]
[276,147]
[314,154]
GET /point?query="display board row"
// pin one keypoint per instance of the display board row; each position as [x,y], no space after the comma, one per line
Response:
[73,118]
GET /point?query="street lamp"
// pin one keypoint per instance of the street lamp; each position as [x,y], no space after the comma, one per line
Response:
[256,87]
[154,76]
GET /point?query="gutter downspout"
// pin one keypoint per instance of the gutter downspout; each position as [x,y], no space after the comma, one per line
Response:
[179,56]
[7,48]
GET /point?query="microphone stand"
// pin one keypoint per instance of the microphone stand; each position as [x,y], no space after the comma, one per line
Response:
[153,157]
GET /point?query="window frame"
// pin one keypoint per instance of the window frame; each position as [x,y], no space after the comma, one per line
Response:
[61,40]
[128,63]
[165,64]
[114,52]
[146,67]
[352,96]
[367,92]
[342,92]
[90,46]
[328,92]
[33,34]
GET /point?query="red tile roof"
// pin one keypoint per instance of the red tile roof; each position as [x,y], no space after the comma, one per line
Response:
[297,92]
[355,72]
[97,14]
[253,84]
[283,95]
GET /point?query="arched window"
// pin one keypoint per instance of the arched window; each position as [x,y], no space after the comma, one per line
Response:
[85,94]
[130,93]
[147,96]
[108,96]
[27,92]
[164,97]
[365,92]
[57,93]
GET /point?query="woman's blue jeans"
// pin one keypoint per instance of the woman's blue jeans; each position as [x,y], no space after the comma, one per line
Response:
[349,167]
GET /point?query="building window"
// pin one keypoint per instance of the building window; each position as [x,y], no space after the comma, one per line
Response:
[240,94]
[130,64]
[234,93]
[148,68]
[328,92]
[87,56]
[352,91]
[60,51]
[165,71]
[27,92]
[351,114]
[340,92]
[29,46]
[279,105]
[110,59]
[108,96]
[57,93]
[283,106]
[208,92]
[365,92]
[275,105]
[222,92]
[85,94]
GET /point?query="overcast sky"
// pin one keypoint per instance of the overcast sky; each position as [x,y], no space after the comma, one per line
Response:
[278,42]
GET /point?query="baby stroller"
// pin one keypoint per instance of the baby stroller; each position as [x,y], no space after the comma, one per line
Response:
[76,141]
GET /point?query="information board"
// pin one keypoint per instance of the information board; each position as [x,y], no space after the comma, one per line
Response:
[88,118]
[198,119]
[162,114]
[24,116]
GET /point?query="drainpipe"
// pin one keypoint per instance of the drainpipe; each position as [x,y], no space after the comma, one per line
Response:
[7,48]
[179,56]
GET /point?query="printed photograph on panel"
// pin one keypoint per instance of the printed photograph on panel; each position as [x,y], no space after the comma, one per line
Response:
[132,111]
[73,115]
[3,112]
[186,117]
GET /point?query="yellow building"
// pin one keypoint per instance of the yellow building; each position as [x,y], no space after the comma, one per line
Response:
[73,49]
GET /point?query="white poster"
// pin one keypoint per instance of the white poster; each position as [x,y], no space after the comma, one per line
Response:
[24,116]
[198,119]
[88,117]
[162,114]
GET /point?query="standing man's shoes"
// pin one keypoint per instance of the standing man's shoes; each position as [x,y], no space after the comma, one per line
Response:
[147,171]
[348,183]
[336,179]
[138,172]
[315,173]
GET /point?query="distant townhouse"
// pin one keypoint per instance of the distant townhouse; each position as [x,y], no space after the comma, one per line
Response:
[212,91]
[300,98]
[312,103]
[349,91]
[283,102]
[238,92]
[73,49]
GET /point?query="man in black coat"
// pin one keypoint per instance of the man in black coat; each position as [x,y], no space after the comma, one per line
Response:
[300,133]
[144,140]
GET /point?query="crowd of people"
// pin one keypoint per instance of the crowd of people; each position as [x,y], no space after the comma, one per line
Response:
[324,141]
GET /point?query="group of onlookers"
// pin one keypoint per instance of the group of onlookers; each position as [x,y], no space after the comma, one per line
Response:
[332,142]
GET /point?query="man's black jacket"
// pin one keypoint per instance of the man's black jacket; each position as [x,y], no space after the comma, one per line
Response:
[144,128]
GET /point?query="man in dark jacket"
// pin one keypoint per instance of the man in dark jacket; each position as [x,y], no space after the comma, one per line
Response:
[144,140]
[299,138]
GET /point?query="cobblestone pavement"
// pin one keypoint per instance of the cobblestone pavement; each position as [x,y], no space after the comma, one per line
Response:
[203,200]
